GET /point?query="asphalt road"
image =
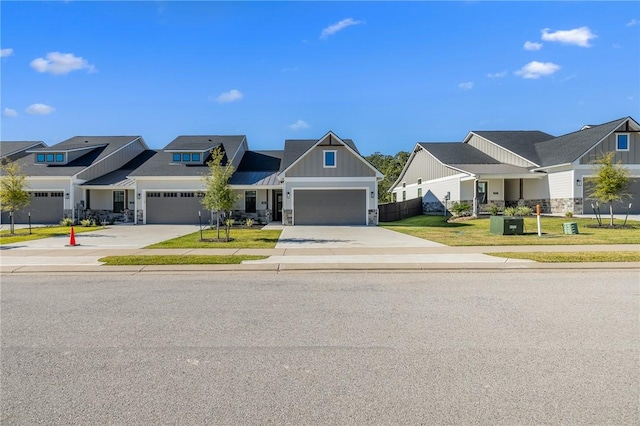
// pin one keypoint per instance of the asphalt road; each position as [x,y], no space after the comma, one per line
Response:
[521,347]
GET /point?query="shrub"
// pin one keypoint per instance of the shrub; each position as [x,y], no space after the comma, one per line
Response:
[518,211]
[568,214]
[523,211]
[494,210]
[87,222]
[249,223]
[67,221]
[459,209]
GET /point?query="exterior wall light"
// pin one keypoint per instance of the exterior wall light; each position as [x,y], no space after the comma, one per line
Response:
[66,195]
[139,196]
[288,194]
[372,194]
[579,182]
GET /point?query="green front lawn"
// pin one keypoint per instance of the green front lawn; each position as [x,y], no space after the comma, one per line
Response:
[475,232]
[240,238]
[41,232]
[177,260]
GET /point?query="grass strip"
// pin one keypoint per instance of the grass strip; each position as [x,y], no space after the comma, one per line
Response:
[40,232]
[475,232]
[178,260]
[571,257]
[240,238]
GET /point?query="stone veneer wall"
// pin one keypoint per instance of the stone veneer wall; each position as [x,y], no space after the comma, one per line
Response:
[563,205]
[373,217]
[287,217]
[429,207]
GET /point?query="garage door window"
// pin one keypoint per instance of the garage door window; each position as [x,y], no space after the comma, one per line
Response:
[329,159]
[250,201]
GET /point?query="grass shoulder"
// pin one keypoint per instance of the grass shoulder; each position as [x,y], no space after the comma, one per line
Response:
[572,257]
[475,232]
[177,260]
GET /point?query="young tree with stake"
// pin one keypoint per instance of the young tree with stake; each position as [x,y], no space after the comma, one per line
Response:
[13,193]
[219,196]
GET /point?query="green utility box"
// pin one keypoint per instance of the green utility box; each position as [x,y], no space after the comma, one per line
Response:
[570,227]
[506,225]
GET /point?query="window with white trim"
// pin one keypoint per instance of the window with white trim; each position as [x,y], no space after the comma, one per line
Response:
[622,142]
[329,159]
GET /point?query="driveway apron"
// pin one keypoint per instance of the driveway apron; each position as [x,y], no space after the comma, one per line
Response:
[347,237]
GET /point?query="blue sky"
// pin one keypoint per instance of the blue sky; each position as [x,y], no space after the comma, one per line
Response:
[385,74]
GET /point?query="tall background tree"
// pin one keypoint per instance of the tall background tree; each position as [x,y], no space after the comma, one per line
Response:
[390,166]
[611,181]
[219,196]
[13,193]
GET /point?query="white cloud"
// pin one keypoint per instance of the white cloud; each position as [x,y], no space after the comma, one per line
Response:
[578,36]
[530,45]
[230,96]
[467,85]
[633,22]
[39,109]
[5,52]
[8,112]
[497,74]
[299,125]
[535,69]
[334,28]
[61,63]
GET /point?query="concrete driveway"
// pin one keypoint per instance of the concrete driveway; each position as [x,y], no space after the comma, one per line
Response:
[113,236]
[347,237]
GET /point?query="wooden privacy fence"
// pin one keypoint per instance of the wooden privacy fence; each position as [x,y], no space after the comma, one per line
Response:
[390,212]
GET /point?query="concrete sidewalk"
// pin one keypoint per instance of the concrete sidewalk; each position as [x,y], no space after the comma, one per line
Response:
[85,259]
[299,248]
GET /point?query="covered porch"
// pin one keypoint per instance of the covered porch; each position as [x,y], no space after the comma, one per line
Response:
[487,191]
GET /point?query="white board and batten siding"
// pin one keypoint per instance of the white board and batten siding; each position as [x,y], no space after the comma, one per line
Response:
[561,184]
[424,166]
[497,152]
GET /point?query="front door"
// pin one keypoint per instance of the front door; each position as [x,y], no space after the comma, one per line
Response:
[277,211]
[118,201]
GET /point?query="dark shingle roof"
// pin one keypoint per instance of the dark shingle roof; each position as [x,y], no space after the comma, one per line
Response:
[100,147]
[520,142]
[568,148]
[8,148]
[162,164]
[206,142]
[457,153]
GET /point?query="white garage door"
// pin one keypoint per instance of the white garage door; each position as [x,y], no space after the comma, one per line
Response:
[330,207]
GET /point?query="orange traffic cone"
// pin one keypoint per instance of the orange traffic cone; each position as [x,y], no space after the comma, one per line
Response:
[72,240]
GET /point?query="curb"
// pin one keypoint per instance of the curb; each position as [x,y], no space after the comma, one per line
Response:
[321,267]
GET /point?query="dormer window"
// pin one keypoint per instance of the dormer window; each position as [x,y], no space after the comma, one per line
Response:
[187,157]
[622,142]
[51,158]
[329,159]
